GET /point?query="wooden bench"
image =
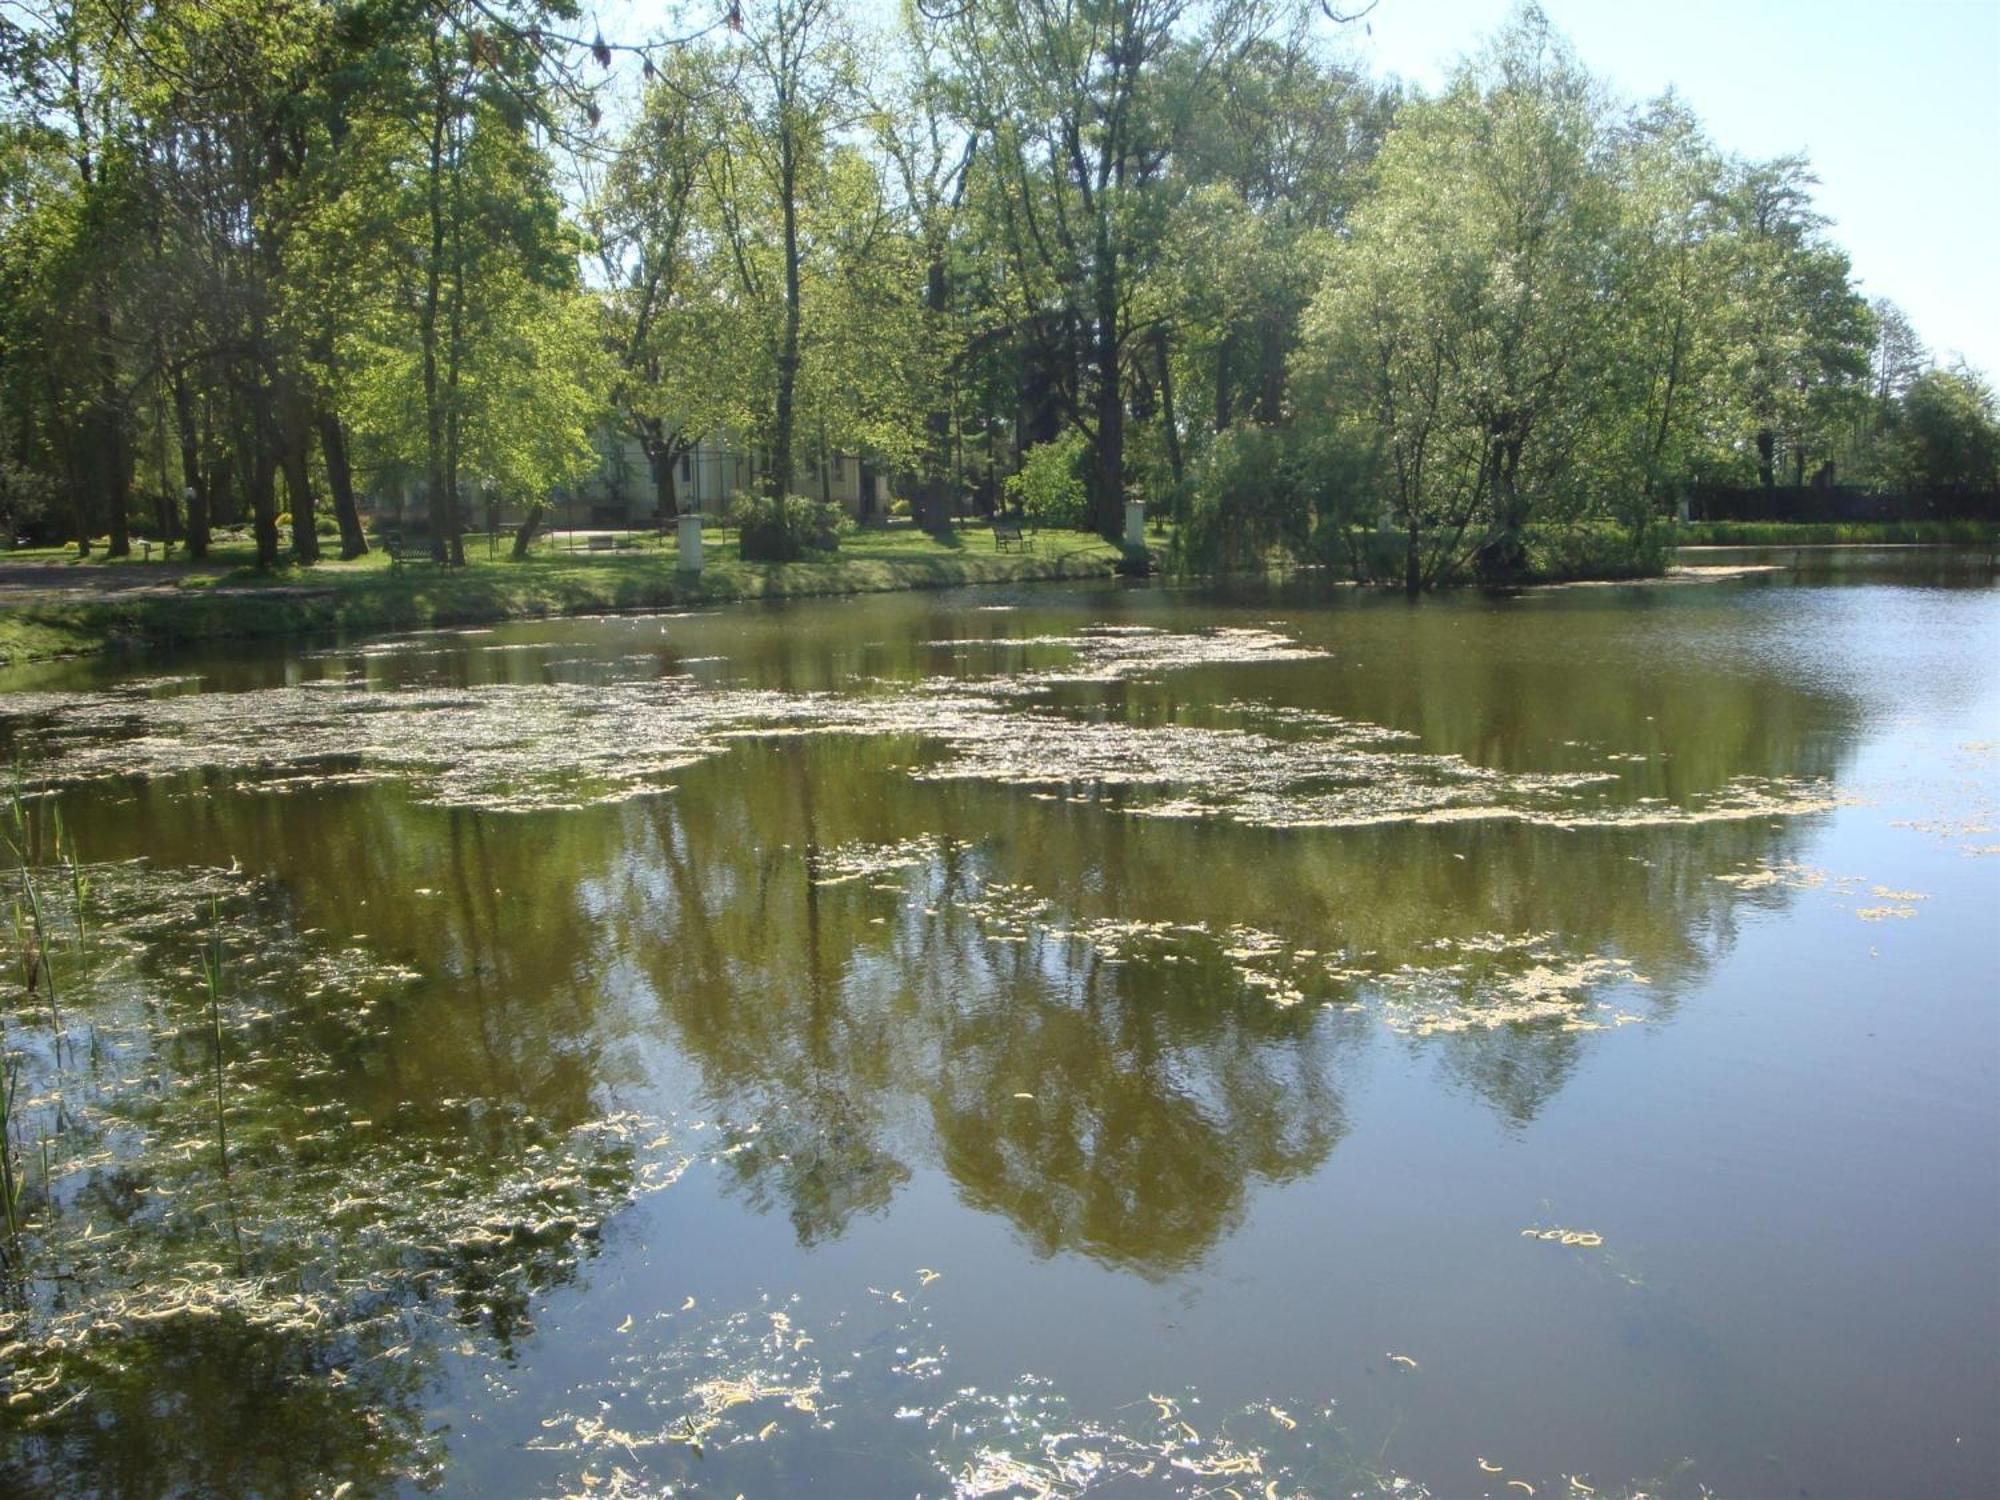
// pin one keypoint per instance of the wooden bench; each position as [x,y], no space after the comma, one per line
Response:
[600,543]
[1007,533]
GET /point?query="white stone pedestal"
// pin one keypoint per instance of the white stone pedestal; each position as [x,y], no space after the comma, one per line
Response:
[689,539]
[1135,525]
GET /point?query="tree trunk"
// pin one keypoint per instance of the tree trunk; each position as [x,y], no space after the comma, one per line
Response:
[932,502]
[264,496]
[82,484]
[1504,559]
[661,457]
[1767,448]
[295,451]
[111,460]
[666,488]
[340,479]
[438,479]
[788,349]
[1107,499]
[531,523]
[825,466]
[117,460]
[1271,382]
[1413,575]
[193,479]
[1170,425]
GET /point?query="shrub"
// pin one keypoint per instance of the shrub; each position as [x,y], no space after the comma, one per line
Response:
[1598,549]
[325,525]
[784,531]
[1049,489]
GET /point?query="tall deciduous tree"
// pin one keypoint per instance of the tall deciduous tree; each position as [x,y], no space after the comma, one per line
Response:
[1084,103]
[795,92]
[673,331]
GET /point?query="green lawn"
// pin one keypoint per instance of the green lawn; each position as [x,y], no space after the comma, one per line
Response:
[229,597]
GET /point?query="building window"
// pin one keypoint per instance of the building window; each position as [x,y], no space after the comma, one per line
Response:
[687,467]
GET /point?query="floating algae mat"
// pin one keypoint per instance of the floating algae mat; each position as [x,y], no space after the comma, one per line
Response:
[561,744]
[1040,1042]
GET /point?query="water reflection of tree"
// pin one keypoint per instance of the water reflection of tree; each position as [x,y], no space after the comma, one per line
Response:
[859,1035]
[219,1406]
[1159,1094]
[380,1221]
[825,1023]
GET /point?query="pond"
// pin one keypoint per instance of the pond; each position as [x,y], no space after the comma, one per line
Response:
[1098,1040]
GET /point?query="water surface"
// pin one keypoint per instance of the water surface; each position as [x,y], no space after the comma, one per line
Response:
[1089,1040]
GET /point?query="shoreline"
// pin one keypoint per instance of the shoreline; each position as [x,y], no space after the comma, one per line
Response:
[189,607]
[94,608]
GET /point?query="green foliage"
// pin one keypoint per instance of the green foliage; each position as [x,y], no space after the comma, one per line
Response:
[254,250]
[1049,489]
[781,531]
[1249,497]
[24,496]
[1595,550]
[1948,439]
[1834,533]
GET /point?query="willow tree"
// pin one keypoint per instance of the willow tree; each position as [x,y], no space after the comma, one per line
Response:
[1670,320]
[1463,326]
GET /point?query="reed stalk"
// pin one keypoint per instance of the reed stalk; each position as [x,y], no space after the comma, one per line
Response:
[10,1189]
[211,965]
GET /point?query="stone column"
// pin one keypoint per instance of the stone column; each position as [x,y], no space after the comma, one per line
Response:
[689,541]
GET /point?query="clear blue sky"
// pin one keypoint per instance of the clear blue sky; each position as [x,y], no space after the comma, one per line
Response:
[1897,103]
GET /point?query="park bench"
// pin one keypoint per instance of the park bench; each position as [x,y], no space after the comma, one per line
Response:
[601,543]
[392,543]
[1007,533]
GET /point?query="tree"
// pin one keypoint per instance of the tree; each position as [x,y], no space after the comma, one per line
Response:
[795,91]
[1670,319]
[1084,105]
[1461,330]
[1948,441]
[1803,334]
[481,307]
[931,157]
[671,327]
[1900,357]
[478,266]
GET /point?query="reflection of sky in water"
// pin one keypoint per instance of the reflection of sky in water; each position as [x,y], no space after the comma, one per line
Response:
[991,1114]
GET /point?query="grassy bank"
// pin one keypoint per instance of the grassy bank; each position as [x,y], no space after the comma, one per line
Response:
[1833,533]
[177,605]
